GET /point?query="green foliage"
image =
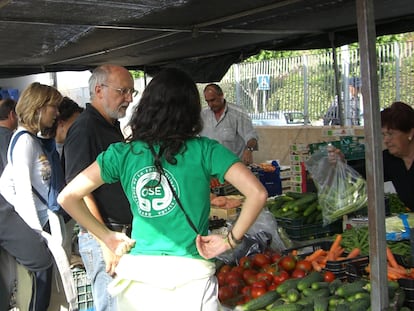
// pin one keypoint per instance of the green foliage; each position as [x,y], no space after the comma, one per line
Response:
[136,74]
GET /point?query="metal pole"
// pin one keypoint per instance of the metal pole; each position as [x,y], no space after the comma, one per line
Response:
[337,84]
[373,154]
[305,89]
[397,71]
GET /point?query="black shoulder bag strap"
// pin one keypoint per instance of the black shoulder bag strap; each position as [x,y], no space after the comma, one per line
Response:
[12,144]
[160,169]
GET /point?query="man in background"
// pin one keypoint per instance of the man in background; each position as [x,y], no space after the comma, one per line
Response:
[8,123]
[229,124]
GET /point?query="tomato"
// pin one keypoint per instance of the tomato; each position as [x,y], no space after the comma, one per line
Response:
[267,277]
[271,269]
[260,283]
[248,273]
[298,273]
[304,265]
[287,263]
[225,268]
[258,291]
[245,262]
[329,276]
[233,276]
[236,285]
[221,278]
[272,286]
[238,269]
[260,260]
[275,257]
[225,293]
[246,291]
[281,277]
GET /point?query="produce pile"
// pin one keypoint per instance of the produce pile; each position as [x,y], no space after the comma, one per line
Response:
[293,205]
[272,281]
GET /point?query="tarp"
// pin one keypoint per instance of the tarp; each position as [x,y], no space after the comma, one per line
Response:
[204,37]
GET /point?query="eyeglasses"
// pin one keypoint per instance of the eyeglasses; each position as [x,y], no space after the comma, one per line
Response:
[389,134]
[123,91]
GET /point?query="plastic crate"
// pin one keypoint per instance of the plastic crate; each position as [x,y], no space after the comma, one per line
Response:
[83,289]
[297,230]
[408,286]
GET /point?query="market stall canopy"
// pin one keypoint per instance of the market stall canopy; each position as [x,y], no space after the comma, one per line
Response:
[204,37]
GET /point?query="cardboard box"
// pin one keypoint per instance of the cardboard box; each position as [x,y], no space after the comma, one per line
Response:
[221,213]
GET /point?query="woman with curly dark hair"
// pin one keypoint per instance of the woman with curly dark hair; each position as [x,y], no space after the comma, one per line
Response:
[165,169]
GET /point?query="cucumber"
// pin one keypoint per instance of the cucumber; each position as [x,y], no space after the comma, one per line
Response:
[307,281]
[321,304]
[342,307]
[306,301]
[360,304]
[259,302]
[286,285]
[334,285]
[276,303]
[294,195]
[348,289]
[288,307]
[310,209]
[292,295]
[319,285]
[322,292]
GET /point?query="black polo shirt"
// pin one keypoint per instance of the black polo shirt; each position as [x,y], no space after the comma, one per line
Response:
[5,137]
[89,135]
[403,179]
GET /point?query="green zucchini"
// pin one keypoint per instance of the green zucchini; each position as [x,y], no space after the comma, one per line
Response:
[307,281]
[259,302]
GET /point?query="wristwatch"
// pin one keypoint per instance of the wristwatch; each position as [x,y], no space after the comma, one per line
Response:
[250,148]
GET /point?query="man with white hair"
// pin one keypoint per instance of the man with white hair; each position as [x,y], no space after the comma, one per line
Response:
[112,90]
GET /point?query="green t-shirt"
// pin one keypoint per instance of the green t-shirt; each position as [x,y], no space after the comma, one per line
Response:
[159,225]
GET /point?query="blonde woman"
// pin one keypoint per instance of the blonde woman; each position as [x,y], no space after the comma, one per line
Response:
[28,170]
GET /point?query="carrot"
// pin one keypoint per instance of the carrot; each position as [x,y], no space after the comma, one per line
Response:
[391,259]
[334,247]
[315,254]
[354,253]
[401,271]
[316,266]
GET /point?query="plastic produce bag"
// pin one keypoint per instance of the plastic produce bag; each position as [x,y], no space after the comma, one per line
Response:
[341,189]
[262,234]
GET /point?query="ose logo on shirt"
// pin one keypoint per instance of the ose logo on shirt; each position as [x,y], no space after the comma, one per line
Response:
[152,194]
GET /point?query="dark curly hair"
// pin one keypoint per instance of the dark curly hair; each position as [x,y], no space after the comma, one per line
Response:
[168,113]
[399,116]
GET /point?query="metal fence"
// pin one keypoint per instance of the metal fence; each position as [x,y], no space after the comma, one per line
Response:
[307,83]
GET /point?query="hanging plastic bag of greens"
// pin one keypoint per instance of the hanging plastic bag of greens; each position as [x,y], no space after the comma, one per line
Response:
[341,189]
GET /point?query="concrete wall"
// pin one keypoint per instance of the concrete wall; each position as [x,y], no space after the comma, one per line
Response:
[274,142]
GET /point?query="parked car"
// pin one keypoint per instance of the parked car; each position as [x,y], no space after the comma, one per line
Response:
[278,118]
